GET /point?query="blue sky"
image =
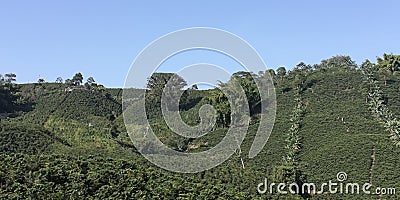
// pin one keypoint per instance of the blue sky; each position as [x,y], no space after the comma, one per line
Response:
[48,39]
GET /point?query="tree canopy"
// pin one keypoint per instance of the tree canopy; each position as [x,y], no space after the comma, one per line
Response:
[389,62]
[77,79]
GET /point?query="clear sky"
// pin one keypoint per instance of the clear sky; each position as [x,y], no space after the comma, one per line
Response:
[48,39]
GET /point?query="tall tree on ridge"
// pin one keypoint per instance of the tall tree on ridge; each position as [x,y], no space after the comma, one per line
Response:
[77,79]
[281,72]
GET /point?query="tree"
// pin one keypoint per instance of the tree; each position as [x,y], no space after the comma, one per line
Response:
[59,80]
[281,72]
[77,79]
[10,78]
[368,66]
[90,81]
[299,80]
[101,88]
[221,104]
[194,87]
[386,66]
[157,81]
[385,73]
[377,103]
[41,80]
[389,62]
[171,83]
[271,73]
[339,61]
[247,82]
[69,82]
[1,80]
[303,66]
[316,67]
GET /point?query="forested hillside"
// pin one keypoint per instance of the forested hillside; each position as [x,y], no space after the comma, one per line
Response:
[67,140]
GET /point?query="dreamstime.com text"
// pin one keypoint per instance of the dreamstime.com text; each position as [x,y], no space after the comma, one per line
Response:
[330,187]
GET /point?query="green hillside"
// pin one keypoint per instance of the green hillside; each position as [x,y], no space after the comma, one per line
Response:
[63,143]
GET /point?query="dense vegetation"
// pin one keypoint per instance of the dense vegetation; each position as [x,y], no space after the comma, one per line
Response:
[67,139]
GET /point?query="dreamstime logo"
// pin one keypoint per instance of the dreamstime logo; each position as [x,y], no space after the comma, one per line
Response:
[341,176]
[330,187]
[147,62]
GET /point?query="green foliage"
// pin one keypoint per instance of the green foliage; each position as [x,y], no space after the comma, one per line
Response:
[41,80]
[10,78]
[2,80]
[221,104]
[77,79]
[59,80]
[7,101]
[60,176]
[220,101]
[293,143]
[157,82]
[389,62]
[24,138]
[83,103]
[281,73]
[377,104]
[6,96]
[73,144]
[339,62]
[288,174]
